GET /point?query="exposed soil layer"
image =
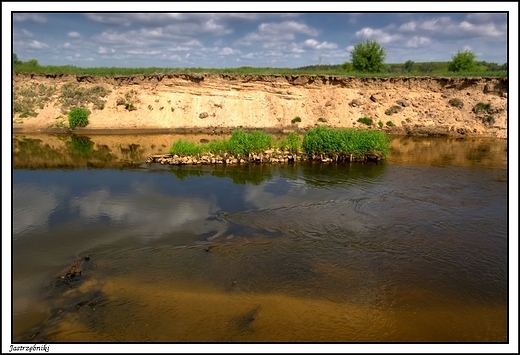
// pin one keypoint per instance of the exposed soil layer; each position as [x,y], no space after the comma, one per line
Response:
[218,103]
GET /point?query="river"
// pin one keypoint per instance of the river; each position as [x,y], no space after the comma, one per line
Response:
[414,249]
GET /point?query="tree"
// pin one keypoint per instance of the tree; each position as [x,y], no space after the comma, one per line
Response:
[463,61]
[408,66]
[15,59]
[368,57]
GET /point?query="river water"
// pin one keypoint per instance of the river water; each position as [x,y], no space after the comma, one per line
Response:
[414,249]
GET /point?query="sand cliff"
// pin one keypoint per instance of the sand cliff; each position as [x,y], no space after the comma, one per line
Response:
[221,102]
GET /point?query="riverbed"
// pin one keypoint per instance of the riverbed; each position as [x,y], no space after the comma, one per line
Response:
[413,249]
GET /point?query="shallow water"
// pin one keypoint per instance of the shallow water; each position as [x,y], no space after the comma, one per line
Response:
[411,250]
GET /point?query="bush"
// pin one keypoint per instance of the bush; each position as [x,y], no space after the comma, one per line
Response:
[392,110]
[182,147]
[482,107]
[366,120]
[380,124]
[291,142]
[408,66]
[324,140]
[456,102]
[368,57]
[390,124]
[489,120]
[78,117]
[296,119]
[463,61]
[321,119]
[347,66]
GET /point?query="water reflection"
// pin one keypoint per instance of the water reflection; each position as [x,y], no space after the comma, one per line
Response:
[400,251]
[37,151]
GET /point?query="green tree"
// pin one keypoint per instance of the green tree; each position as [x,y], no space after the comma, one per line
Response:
[347,66]
[15,59]
[32,63]
[368,57]
[408,66]
[463,61]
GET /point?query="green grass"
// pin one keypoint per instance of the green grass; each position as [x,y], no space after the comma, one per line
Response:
[324,140]
[390,70]
[292,142]
[320,140]
[239,144]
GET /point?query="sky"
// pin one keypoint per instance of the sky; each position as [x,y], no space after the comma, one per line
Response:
[247,37]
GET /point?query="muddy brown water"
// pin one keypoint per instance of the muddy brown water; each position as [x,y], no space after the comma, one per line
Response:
[411,250]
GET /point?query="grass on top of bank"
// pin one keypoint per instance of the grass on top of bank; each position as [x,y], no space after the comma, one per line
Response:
[320,140]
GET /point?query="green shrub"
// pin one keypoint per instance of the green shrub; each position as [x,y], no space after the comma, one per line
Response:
[321,119]
[390,124]
[366,120]
[489,120]
[182,147]
[292,143]
[296,119]
[408,66]
[78,117]
[245,143]
[380,123]
[482,107]
[456,102]
[392,110]
[324,140]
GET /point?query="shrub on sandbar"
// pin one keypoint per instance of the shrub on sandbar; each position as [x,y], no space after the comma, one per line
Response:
[323,140]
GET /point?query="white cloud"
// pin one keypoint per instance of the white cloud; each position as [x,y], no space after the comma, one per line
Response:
[270,33]
[73,34]
[26,33]
[37,45]
[377,35]
[446,27]
[312,43]
[416,41]
[67,45]
[29,18]
[229,51]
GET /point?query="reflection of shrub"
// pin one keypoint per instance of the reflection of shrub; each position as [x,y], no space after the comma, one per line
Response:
[296,119]
[366,120]
[456,102]
[81,144]
[392,110]
[78,117]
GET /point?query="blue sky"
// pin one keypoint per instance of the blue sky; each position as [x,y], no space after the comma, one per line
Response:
[259,39]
